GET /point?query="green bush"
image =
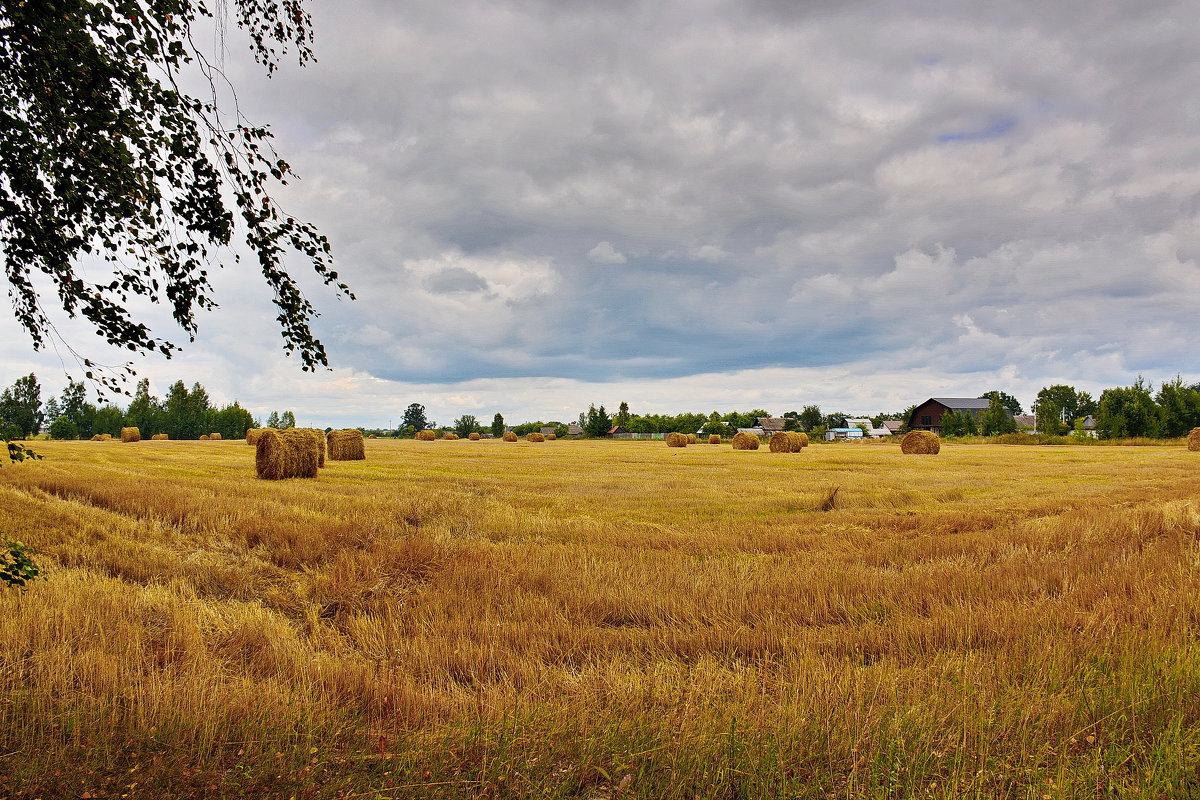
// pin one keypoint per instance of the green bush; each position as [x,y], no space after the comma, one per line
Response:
[63,428]
[16,565]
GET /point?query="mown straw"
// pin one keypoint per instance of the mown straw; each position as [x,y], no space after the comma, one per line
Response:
[346,445]
[535,437]
[289,453]
[744,441]
[473,436]
[204,437]
[318,437]
[714,438]
[677,440]
[780,443]
[802,438]
[158,437]
[252,435]
[425,436]
[130,435]
[216,437]
[1194,439]
[449,436]
[509,436]
[691,438]
[923,443]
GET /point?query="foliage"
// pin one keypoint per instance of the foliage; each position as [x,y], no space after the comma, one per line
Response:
[811,417]
[954,424]
[1127,412]
[465,425]
[287,420]
[714,424]
[63,428]
[1057,406]
[17,567]
[1178,407]
[623,416]
[596,422]
[414,417]
[497,428]
[102,155]
[997,419]
[1007,400]
[21,405]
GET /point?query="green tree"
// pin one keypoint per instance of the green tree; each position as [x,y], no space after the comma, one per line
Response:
[1057,407]
[623,416]
[287,420]
[1007,400]
[1127,411]
[232,421]
[596,423]
[497,425]
[414,417]
[811,417]
[74,406]
[145,412]
[21,405]
[63,428]
[1178,406]
[465,425]
[714,424]
[102,153]
[273,420]
[997,419]
[108,419]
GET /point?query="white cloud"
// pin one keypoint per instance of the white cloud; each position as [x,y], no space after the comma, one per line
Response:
[605,253]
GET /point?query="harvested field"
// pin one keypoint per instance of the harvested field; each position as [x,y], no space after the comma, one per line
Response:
[999,621]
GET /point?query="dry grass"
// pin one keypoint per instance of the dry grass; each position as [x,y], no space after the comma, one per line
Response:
[744,441]
[318,437]
[346,445]
[780,442]
[528,622]
[130,435]
[253,435]
[450,436]
[691,438]
[216,437]
[924,443]
[677,440]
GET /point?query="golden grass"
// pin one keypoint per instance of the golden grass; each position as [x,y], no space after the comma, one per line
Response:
[925,443]
[204,437]
[130,435]
[346,445]
[1002,621]
[780,442]
[318,437]
[691,438]
[677,440]
[253,435]
[449,436]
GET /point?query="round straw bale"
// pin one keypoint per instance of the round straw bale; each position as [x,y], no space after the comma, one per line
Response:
[252,435]
[744,441]
[425,436]
[204,437]
[535,437]
[288,453]
[318,437]
[216,437]
[449,436]
[509,436]
[97,438]
[473,436]
[106,437]
[802,438]
[346,445]
[780,443]
[924,443]
[1194,439]
[797,441]
[677,440]
[158,437]
[130,435]
[550,437]
[714,438]
[372,436]
[691,437]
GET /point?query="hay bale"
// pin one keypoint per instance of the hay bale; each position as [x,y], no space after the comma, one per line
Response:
[98,437]
[252,435]
[509,436]
[318,437]
[677,440]
[550,437]
[714,439]
[204,437]
[346,445]
[289,453]
[535,437]
[923,443]
[215,437]
[425,436]
[781,443]
[691,437]
[159,437]
[802,438]
[1194,439]
[449,436]
[744,441]
[130,435]
[372,436]
[474,437]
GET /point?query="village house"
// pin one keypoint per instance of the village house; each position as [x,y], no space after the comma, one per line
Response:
[928,415]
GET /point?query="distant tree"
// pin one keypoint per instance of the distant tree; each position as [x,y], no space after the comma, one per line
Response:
[835,420]
[232,421]
[1128,411]
[1179,407]
[960,423]
[623,415]
[1006,400]
[21,405]
[714,424]
[526,428]
[273,419]
[811,417]
[414,417]
[561,430]
[1057,406]
[998,418]
[596,422]
[465,425]
[74,406]
[793,421]
[287,420]
[51,410]
[63,428]
[108,419]
[497,428]
[145,412]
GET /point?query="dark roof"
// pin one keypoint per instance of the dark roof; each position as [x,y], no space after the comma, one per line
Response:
[771,423]
[892,425]
[973,403]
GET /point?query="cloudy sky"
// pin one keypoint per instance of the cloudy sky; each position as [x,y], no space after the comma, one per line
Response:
[720,205]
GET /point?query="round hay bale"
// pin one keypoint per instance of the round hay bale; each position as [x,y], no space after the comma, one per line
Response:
[252,434]
[372,436]
[535,437]
[474,437]
[449,436]
[922,443]
[780,443]
[215,437]
[797,441]
[550,437]
[106,437]
[425,436]
[677,440]
[130,435]
[509,436]
[97,438]
[159,437]
[802,438]
[288,453]
[1194,439]
[714,439]
[744,441]
[691,437]
[204,437]
[318,437]
[346,445]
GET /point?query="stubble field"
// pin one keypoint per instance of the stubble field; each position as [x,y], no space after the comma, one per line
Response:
[604,620]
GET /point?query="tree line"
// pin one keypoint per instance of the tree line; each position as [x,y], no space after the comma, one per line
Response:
[1122,412]
[183,414]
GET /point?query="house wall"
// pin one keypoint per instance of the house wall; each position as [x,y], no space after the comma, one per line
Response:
[930,409]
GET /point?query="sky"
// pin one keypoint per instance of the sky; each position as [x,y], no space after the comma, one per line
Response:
[708,205]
